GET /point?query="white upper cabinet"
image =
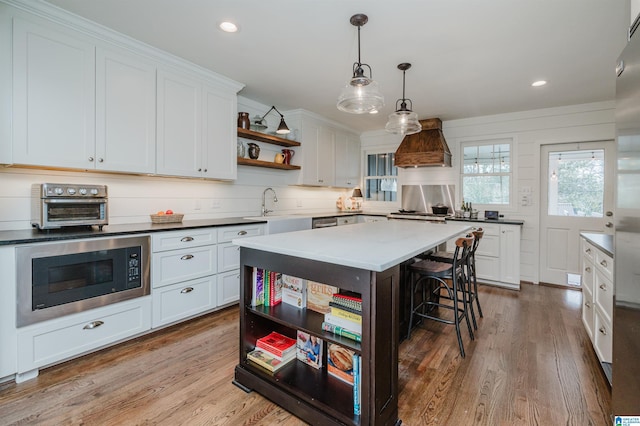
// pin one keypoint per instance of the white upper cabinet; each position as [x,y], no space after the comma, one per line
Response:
[179,138]
[347,162]
[195,128]
[219,133]
[125,112]
[85,97]
[53,96]
[318,150]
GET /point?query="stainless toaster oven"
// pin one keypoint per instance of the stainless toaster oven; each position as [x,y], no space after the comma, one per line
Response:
[56,205]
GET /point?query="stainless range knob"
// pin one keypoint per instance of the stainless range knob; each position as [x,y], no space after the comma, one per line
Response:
[82,191]
[71,191]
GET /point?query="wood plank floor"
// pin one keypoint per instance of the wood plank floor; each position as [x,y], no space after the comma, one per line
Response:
[531,364]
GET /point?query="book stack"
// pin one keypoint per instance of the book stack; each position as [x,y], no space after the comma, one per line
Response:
[345,364]
[273,351]
[319,296]
[345,316]
[267,287]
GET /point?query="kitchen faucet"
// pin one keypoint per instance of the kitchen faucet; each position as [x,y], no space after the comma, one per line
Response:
[264,206]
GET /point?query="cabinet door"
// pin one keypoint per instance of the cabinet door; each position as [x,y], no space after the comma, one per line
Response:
[228,287]
[8,336]
[125,113]
[509,254]
[179,125]
[588,313]
[219,134]
[228,257]
[347,162]
[310,132]
[53,96]
[326,156]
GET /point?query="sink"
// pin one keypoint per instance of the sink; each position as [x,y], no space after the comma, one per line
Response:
[283,223]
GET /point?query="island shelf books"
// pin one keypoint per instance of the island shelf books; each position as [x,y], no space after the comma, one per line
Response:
[309,349]
[278,345]
[266,287]
[346,365]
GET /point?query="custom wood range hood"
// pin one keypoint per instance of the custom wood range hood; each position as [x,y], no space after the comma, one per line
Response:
[426,148]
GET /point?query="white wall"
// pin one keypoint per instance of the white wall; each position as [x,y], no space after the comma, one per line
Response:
[530,130]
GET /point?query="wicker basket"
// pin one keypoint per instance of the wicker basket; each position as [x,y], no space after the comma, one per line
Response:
[166,218]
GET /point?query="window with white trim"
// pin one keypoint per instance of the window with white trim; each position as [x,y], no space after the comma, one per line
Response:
[487,177]
[381,177]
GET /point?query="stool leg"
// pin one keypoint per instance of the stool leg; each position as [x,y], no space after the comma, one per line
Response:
[470,294]
[475,288]
[464,303]
[456,316]
[411,297]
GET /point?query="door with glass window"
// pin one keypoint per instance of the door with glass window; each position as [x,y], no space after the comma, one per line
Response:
[577,186]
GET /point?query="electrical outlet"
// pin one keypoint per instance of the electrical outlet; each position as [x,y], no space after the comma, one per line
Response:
[299,203]
[216,204]
[198,205]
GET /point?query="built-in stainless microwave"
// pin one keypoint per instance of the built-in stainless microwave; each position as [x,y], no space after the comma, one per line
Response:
[61,278]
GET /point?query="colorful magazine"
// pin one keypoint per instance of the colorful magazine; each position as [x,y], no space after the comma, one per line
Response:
[340,362]
[309,349]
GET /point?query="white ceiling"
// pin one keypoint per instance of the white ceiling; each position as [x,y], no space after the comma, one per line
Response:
[470,57]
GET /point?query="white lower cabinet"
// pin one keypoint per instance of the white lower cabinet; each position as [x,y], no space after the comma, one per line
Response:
[498,254]
[229,287]
[53,341]
[182,300]
[597,298]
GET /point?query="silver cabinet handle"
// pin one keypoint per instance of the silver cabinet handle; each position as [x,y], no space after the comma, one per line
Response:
[187,257]
[100,160]
[92,325]
[604,263]
[186,239]
[603,331]
[588,251]
[186,290]
[608,224]
[603,287]
[90,158]
[242,232]
[587,269]
[587,304]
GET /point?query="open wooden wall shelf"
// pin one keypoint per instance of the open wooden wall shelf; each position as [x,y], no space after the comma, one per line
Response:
[267,164]
[263,137]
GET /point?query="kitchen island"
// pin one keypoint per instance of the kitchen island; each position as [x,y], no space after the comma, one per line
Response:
[363,258]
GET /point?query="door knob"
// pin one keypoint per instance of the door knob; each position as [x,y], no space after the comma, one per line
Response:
[609,213]
[608,224]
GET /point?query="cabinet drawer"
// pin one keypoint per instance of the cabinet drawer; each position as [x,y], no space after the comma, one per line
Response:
[588,250]
[60,339]
[178,301]
[180,265]
[603,295]
[604,263]
[228,287]
[603,338]
[161,241]
[588,274]
[588,312]
[228,233]
[228,257]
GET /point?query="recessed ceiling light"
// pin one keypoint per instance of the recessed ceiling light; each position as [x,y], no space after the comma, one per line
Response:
[538,83]
[228,27]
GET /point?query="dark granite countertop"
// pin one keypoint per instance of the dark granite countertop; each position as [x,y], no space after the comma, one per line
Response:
[602,241]
[27,236]
[482,220]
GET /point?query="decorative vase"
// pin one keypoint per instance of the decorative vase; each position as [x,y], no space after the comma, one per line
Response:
[288,155]
[279,158]
[254,151]
[243,120]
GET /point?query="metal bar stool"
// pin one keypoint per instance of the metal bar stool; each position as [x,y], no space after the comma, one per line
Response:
[472,288]
[442,276]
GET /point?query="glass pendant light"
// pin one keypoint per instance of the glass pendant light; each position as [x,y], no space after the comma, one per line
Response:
[361,95]
[403,121]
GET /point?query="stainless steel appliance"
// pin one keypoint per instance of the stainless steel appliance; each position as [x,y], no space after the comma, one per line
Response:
[60,278]
[418,202]
[57,205]
[626,311]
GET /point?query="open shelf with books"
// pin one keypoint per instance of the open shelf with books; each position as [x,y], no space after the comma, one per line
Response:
[323,395]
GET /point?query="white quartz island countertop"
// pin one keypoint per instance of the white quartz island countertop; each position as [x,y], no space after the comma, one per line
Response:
[374,246]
